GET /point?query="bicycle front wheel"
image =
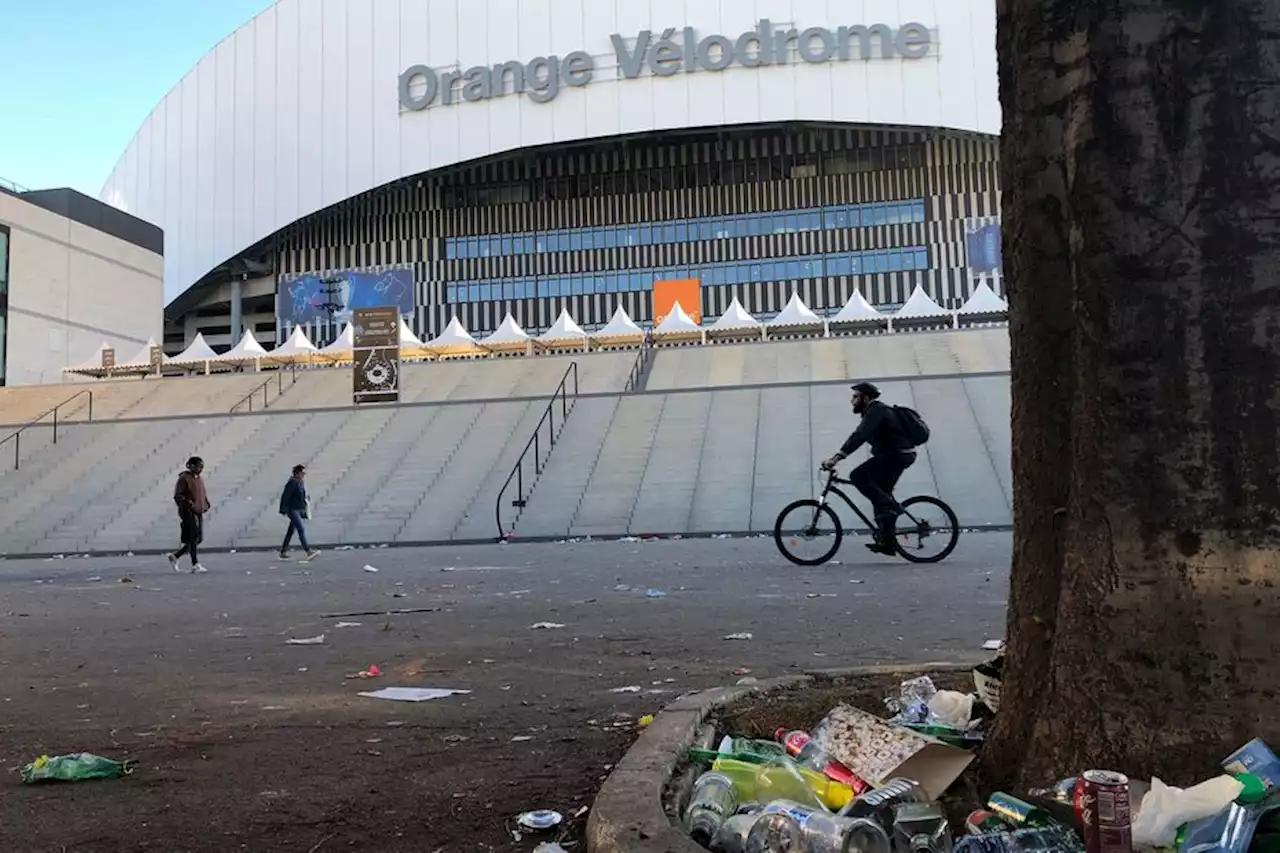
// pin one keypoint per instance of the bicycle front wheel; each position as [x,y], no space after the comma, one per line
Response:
[926,530]
[808,533]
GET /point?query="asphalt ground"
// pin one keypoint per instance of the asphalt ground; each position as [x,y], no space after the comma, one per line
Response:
[245,742]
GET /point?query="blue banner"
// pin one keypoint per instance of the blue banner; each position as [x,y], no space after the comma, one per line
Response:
[985,248]
[334,297]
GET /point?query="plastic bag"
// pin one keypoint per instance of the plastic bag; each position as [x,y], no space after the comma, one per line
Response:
[75,768]
[1166,808]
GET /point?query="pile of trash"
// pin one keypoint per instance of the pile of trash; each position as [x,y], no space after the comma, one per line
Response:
[860,783]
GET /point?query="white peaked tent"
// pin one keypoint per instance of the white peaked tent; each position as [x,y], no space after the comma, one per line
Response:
[796,316]
[199,354]
[140,364]
[620,329]
[920,308]
[411,346]
[565,332]
[677,325]
[92,366]
[298,349]
[984,301]
[735,322]
[508,337]
[341,350]
[248,351]
[454,340]
[857,311]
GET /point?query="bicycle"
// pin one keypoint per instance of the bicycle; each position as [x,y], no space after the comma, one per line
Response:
[814,518]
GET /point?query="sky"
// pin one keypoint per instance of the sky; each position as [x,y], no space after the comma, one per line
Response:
[78,77]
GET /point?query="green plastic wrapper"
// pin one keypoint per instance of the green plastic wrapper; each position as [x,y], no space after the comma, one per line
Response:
[75,768]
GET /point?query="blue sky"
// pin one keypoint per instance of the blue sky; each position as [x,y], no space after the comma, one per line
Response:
[77,78]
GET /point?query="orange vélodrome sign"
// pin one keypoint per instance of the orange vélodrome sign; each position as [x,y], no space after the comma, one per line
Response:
[686,291]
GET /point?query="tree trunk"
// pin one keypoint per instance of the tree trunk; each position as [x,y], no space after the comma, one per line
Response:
[1141,175]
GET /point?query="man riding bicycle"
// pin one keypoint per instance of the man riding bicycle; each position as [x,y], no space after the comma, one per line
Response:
[892,452]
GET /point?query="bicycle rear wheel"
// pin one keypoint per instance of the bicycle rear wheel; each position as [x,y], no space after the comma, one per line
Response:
[808,533]
[926,530]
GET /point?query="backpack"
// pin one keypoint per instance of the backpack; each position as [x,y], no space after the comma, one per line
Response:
[912,425]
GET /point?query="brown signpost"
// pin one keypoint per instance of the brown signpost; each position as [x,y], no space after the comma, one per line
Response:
[376,342]
[108,358]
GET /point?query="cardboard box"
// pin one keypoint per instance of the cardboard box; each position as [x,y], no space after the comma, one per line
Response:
[878,752]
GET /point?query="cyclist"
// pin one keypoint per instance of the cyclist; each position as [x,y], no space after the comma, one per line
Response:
[892,452]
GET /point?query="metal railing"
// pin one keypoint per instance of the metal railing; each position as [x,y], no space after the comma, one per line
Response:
[265,388]
[565,399]
[637,369]
[16,437]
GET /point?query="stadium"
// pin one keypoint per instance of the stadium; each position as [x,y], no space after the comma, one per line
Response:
[637,251]
[534,157]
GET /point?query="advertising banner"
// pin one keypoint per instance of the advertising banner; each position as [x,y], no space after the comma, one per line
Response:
[334,297]
[983,244]
[108,357]
[686,291]
[376,369]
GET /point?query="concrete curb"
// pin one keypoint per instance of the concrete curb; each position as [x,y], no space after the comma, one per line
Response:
[628,814]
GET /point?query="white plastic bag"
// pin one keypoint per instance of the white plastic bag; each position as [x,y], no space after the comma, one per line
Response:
[1166,808]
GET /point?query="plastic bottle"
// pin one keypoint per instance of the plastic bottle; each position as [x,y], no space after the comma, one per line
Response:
[808,753]
[878,803]
[713,801]
[920,828]
[733,834]
[1047,839]
[775,833]
[783,779]
[827,833]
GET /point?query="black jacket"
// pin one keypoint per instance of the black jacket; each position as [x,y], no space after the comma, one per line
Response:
[293,497]
[881,430]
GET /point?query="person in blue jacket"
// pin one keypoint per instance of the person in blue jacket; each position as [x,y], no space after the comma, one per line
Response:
[293,504]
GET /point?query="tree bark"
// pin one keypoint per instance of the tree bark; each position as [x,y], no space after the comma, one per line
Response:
[1141,175]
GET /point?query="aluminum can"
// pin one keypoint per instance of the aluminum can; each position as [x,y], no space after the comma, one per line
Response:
[1102,804]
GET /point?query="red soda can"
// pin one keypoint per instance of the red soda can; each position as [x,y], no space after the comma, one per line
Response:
[1102,805]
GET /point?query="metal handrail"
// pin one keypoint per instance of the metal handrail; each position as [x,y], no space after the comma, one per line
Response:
[549,416]
[278,378]
[637,369]
[16,437]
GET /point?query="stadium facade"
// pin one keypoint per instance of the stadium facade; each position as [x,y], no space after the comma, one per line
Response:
[474,157]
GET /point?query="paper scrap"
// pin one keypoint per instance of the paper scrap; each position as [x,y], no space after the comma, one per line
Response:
[634,688]
[347,625]
[412,694]
[309,641]
[546,626]
[368,568]
[745,635]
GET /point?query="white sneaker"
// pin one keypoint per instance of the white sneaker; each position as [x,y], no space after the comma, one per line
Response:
[173,562]
[198,569]
[311,555]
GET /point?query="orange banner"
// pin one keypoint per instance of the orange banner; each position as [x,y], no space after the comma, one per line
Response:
[687,291]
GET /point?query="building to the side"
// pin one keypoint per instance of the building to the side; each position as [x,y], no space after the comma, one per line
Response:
[471,158]
[74,273]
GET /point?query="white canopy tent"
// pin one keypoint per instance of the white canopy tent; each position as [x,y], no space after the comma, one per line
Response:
[796,316]
[91,366]
[248,351]
[411,346]
[857,312]
[735,322]
[508,337]
[620,329]
[341,350]
[676,326]
[920,309]
[983,302]
[455,340]
[564,333]
[298,349]
[198,355]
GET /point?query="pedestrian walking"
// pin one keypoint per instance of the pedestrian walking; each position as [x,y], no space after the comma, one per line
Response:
[193,502]
[295,505]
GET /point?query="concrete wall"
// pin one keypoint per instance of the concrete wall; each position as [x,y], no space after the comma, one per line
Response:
[70,288]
